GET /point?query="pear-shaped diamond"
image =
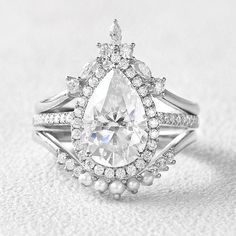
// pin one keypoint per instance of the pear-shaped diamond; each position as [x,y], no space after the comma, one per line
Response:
[114,122]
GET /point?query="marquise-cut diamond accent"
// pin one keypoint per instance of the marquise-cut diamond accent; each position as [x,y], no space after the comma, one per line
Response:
[142,69]
[114,122]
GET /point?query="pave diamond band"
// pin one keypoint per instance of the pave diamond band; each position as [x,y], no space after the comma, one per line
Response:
[116,126]
[164,118]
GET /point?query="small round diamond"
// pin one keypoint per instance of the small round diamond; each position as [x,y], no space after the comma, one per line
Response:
[152,145]
[107,64]
[124,64]
[104,50]
[93,82]
[131,170]
[73,84]
[130,72]
[140,164]
[100,72]
[151,112]
[87,91]
[70,164]
[115,57]
[143,91]
[153,133]
[76,134]
[120,173]
[78,145]
[109,173]
[82,101]
[78,112]
[77,171]
[98,170]
[137,81]
[147,101]
[77,123]
[61,158]
[51,118]
[88,165]
[153,123]
[127,50]
[147,155]
[69,117]
[57,118]
[161,163]
[63,118]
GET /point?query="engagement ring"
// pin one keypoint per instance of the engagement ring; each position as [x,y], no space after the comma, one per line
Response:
[116,127]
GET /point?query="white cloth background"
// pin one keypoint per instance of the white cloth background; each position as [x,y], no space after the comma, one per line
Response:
[192,43]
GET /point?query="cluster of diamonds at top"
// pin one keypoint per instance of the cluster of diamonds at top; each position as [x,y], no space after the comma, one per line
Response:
[172,119]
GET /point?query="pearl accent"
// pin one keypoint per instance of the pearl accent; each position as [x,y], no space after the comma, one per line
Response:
[147,178]
[85,179]
[116,187]
[100,185]
[133,185]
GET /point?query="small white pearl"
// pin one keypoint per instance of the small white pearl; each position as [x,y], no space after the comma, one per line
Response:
[85,179]
[133,185]
[101,185]
[116,187]
[147,178]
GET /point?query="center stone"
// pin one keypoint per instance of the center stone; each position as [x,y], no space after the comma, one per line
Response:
[114,122]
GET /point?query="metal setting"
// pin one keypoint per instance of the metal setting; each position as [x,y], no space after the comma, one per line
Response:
[116,126]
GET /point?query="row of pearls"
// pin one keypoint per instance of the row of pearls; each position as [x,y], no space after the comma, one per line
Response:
[116,188]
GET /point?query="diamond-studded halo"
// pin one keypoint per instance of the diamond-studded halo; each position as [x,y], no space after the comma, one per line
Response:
[96,74]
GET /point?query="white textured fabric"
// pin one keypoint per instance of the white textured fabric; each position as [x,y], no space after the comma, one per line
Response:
[193,44]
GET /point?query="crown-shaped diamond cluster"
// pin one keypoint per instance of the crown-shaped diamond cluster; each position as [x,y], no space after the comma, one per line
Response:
[115,53]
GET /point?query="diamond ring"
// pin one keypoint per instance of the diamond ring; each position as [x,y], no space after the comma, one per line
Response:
[116,127]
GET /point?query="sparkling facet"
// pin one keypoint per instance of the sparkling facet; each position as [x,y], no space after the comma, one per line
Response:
[114,122]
